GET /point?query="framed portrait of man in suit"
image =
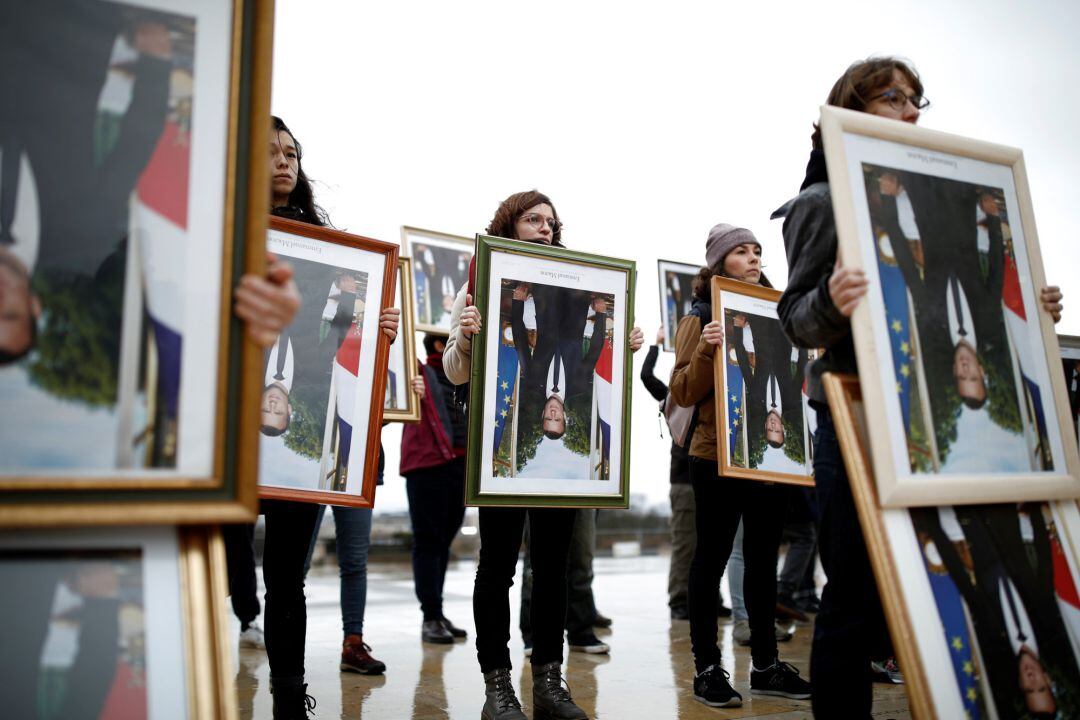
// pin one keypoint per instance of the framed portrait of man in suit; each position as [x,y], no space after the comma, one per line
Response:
[981,601]
[676,294]
[549,396]
[958,360]
[131,201]
[440,268]
[115,622]
[764,423]
[324,380]
[402,404]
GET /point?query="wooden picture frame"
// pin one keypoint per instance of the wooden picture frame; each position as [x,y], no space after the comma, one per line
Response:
[957,359]
[948,655]
[158,643]
[403,352]
[440,270]
[153,428]
[325,381]
[676,294]
[577,459]
[779,408]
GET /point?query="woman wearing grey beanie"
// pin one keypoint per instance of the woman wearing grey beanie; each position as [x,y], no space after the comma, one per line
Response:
[720,503]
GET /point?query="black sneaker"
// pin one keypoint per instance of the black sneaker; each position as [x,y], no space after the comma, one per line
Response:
[588,643]
[781,679]
[711,687]
[680,612]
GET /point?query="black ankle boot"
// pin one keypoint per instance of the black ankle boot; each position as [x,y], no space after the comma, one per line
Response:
[551,701]
[291,701]
[501,702]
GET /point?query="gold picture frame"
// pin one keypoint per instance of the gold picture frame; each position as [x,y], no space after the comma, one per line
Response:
[406,341]
[731,300]
[227,491]
[158,637]
[937,645]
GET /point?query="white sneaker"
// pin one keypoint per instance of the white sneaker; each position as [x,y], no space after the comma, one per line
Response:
[253,637]
[740,632]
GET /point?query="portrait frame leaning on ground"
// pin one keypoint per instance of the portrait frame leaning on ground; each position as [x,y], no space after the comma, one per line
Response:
[131,403]
[958,361]
[981,600]
[550,389]
[125,619]
[440,267]
[401,367]
[762,411]
[323,380]
[676,281]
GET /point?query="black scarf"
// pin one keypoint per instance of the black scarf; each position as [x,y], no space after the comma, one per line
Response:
[815,169]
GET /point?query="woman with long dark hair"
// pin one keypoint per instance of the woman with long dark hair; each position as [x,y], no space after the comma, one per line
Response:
[528,216]
[720,503]
[289,524]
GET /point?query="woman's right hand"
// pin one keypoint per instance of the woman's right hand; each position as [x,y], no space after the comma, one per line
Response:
[713,333]
[660,336]
[470,322]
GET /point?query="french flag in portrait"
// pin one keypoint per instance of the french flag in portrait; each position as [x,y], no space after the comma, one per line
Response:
[1016,320]
[1065,588]
[346,369]
[602,388]
[160,221]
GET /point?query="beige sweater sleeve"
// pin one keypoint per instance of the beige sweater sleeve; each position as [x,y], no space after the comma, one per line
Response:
[457,357]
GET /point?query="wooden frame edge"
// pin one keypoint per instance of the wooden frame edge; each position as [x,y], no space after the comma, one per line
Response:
[860,475]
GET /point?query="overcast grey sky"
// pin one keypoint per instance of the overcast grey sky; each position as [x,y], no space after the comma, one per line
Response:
[647,123]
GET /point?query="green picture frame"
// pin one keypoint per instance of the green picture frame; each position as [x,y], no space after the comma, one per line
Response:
[606,284]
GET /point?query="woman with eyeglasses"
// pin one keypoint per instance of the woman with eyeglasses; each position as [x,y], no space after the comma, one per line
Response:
[290,525]
[720,504]
[815,312]
[529,216]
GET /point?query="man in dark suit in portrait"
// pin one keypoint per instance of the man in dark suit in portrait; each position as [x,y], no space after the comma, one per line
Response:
[1008,588]
[557,369]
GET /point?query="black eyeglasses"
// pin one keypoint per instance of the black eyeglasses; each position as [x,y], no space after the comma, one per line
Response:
[897,99]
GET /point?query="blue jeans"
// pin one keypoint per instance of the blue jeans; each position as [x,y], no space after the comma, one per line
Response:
[352,526]
[735,569]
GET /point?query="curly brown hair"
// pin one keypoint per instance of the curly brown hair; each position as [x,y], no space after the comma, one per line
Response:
[859,83]
[513,207]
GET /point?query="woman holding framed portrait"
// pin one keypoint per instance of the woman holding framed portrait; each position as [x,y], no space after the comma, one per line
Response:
[290,524]
[816,311]
[733,253]
[529,216]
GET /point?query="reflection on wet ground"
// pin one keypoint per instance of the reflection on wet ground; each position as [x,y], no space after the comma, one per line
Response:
[647,675]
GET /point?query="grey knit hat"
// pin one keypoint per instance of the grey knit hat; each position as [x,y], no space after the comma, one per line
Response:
[724,238]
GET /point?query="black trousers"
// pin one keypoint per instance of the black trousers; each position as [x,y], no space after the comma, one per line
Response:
[289,526]
[500,542]
[719,504]
[436,508]
[240,561]
[851,625]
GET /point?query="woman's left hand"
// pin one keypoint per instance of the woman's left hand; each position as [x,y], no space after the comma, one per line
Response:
[267,303]
[637,339]
[388,321]
[1051,300]
[418,386]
